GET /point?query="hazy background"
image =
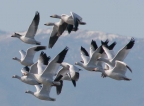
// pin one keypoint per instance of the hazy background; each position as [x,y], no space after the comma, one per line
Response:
[124,17]
[115,20]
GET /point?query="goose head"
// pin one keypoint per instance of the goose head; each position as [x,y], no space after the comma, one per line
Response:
[14,76]
[16,35]
[49,24]
[15,58]
[55,16]
[30,92]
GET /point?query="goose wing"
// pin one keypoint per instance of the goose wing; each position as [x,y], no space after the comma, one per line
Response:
[53,66]
[34,26]
[31,52]
[120,67]
[62,72]
[97,53]
[38,88]
[34,68]
[22,53]
[121,55]
[42,62]
[74,15]
[53,36]
[93,47]
[84,55]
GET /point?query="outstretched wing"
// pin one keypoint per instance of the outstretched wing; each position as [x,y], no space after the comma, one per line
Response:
[120,67]
[34,26]
[53,66]
[84,55]
[22,53]
[121,55]
[31,52]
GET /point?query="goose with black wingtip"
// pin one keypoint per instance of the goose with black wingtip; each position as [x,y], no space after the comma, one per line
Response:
[29,36]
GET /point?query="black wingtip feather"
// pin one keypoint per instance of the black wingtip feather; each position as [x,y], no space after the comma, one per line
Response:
[69,28]
[58,78]
[84,51]
[105,43]
[44,58]
[101,49]
[93,43]
[53,40]
[38,48]
[130,44]
[62,55]
[59,87]
[112,46]
[26,68]
[36,18]
[74,83]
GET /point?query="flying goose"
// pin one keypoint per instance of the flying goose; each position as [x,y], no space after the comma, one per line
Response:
[42,92]
[118,71]
[69,72]
[26,77]
[27,57]
[121,55]
[29,37]
[72,20]
[89,63]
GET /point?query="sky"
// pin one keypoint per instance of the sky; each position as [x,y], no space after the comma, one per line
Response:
[123,17]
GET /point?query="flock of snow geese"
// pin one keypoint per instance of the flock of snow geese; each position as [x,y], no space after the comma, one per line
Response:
[44,74]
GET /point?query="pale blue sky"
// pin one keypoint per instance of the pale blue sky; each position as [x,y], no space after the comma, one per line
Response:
[124,17]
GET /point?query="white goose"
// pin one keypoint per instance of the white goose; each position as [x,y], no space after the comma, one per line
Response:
[118,71]
[72,20]
[26,77]
[121,55]
[90,63]
[46,77]
[58,29]
[29,37]
[27,57]
[42,92]
[69,72]
[27,74]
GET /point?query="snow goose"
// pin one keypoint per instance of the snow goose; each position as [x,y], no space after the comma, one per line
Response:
[26,77]
[118,71]
[121,55]
[69,72]
[42,92]
[29,37]
[72,20]
[27,57]
[90,63]
[46,78]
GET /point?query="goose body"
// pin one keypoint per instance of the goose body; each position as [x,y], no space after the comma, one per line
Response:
[72,20]
[27,77]
[118,71]
[27,57]
[42,92]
